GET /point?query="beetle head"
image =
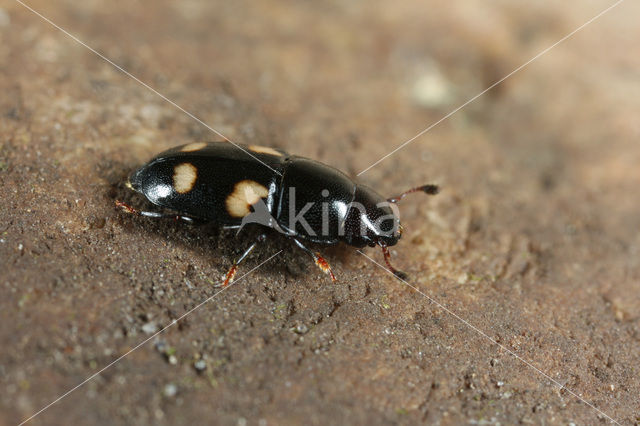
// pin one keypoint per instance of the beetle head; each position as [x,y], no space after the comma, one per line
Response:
[372,220]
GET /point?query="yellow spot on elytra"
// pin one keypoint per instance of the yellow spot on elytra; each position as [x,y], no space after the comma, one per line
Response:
[184,177]
[193,147]
[245,194]
[264,150]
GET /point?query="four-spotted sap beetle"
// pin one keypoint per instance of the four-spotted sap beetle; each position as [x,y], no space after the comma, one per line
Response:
[233,186]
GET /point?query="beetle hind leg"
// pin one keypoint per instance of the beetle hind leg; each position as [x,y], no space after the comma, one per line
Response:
[320,261]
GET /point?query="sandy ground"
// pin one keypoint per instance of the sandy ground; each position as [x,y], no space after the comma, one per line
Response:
[534,242]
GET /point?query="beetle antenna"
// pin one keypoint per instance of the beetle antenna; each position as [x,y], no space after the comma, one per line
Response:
[427,189]
[387,256]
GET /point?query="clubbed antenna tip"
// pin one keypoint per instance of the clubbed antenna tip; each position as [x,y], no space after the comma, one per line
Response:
[430,189]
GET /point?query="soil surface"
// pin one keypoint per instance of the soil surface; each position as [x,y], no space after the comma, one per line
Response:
[532,249]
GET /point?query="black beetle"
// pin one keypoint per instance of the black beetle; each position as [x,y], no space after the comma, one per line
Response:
[236,185]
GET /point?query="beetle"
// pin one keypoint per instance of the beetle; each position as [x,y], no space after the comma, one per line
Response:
[233,186]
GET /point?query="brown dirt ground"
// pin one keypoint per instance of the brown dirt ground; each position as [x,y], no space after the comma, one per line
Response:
[535,238]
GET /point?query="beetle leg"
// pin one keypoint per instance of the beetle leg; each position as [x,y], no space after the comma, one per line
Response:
[234,268]
[128,209]
[318,259]
[387,256]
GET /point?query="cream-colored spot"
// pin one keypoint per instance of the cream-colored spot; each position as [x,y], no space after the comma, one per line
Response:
[245,194]
[264,150]
[193,147]
[184,177]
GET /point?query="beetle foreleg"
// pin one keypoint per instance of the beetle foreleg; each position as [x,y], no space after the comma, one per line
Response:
[234,268]
[319,260]
[128,209]
[387,256]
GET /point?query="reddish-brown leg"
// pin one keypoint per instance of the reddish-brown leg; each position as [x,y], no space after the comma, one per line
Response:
[324,266]
[320,261]
[230,275]
[234,268]
[387,256]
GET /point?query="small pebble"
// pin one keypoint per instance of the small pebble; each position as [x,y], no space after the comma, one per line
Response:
[431,89]
[170,390]
[150,327]
[301,329]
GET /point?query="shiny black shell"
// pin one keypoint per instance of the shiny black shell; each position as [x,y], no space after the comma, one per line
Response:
[211,180]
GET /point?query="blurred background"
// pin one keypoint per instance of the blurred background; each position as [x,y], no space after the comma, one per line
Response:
[534,239]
